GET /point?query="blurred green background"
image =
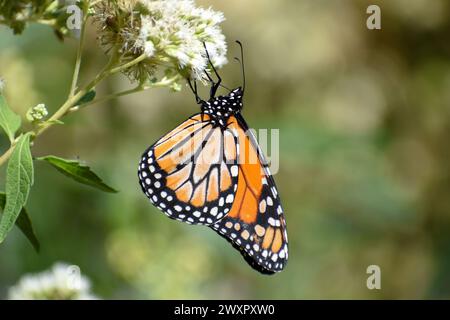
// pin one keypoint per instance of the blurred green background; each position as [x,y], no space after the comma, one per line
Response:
[364,119]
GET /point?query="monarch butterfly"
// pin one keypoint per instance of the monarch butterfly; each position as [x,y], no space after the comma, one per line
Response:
[210,171]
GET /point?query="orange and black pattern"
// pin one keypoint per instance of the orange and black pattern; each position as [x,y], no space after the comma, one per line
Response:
[210,171]
[255,225]
[191,173]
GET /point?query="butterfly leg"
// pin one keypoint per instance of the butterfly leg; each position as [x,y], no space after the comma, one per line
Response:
[194,90]
[199,100]
[215,85]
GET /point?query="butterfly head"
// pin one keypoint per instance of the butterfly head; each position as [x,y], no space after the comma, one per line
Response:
[220,108]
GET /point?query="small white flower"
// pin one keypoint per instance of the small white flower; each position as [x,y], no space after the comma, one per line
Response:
[60,283]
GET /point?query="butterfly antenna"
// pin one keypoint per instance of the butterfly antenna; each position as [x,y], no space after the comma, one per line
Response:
[209,78]
[242,63]
[225,87]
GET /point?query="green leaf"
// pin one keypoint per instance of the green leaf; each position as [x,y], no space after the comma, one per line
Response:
[78,172]
[23,222]
[88,97]
[9,121]
[19,179]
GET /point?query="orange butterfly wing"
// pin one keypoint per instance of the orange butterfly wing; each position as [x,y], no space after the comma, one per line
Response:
[191,173]
[199,173]
[255,224]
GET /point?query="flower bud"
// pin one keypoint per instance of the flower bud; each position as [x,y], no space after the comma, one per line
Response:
[37,113]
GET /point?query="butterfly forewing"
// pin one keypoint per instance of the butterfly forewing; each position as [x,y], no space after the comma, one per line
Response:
[191,173]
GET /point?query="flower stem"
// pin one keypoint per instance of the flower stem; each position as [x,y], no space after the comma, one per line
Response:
[49,22]
[76,72]
[68,105]
[109,97]
[4,157]
[163,83]
[127,65]
[71,101]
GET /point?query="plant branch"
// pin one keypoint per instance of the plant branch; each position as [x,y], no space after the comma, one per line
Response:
[163,83]
[109,97]
[76,72]
[127,65]
[4,157]
[68,105]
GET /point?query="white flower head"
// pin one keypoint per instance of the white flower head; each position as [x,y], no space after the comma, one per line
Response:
[62,282]
[170,33]
[37,113]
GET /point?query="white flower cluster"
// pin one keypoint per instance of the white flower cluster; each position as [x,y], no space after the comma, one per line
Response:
[62,282]
[37,113]
[170,33]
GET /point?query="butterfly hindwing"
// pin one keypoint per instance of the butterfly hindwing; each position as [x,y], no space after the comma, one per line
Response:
[191,173]
[255,224]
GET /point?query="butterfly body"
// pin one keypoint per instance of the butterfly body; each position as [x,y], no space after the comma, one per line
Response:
[222,107]
[210,171]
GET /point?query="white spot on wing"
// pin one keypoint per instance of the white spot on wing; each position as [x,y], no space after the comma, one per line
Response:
[234,171]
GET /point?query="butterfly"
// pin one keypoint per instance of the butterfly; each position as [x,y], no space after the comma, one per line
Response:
[210,171]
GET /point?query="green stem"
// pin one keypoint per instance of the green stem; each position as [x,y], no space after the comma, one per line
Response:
[75,98]
[127,65]
[163,83]
[68,105]
[109,97]
[76,72]
[4,157]
[49,22]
